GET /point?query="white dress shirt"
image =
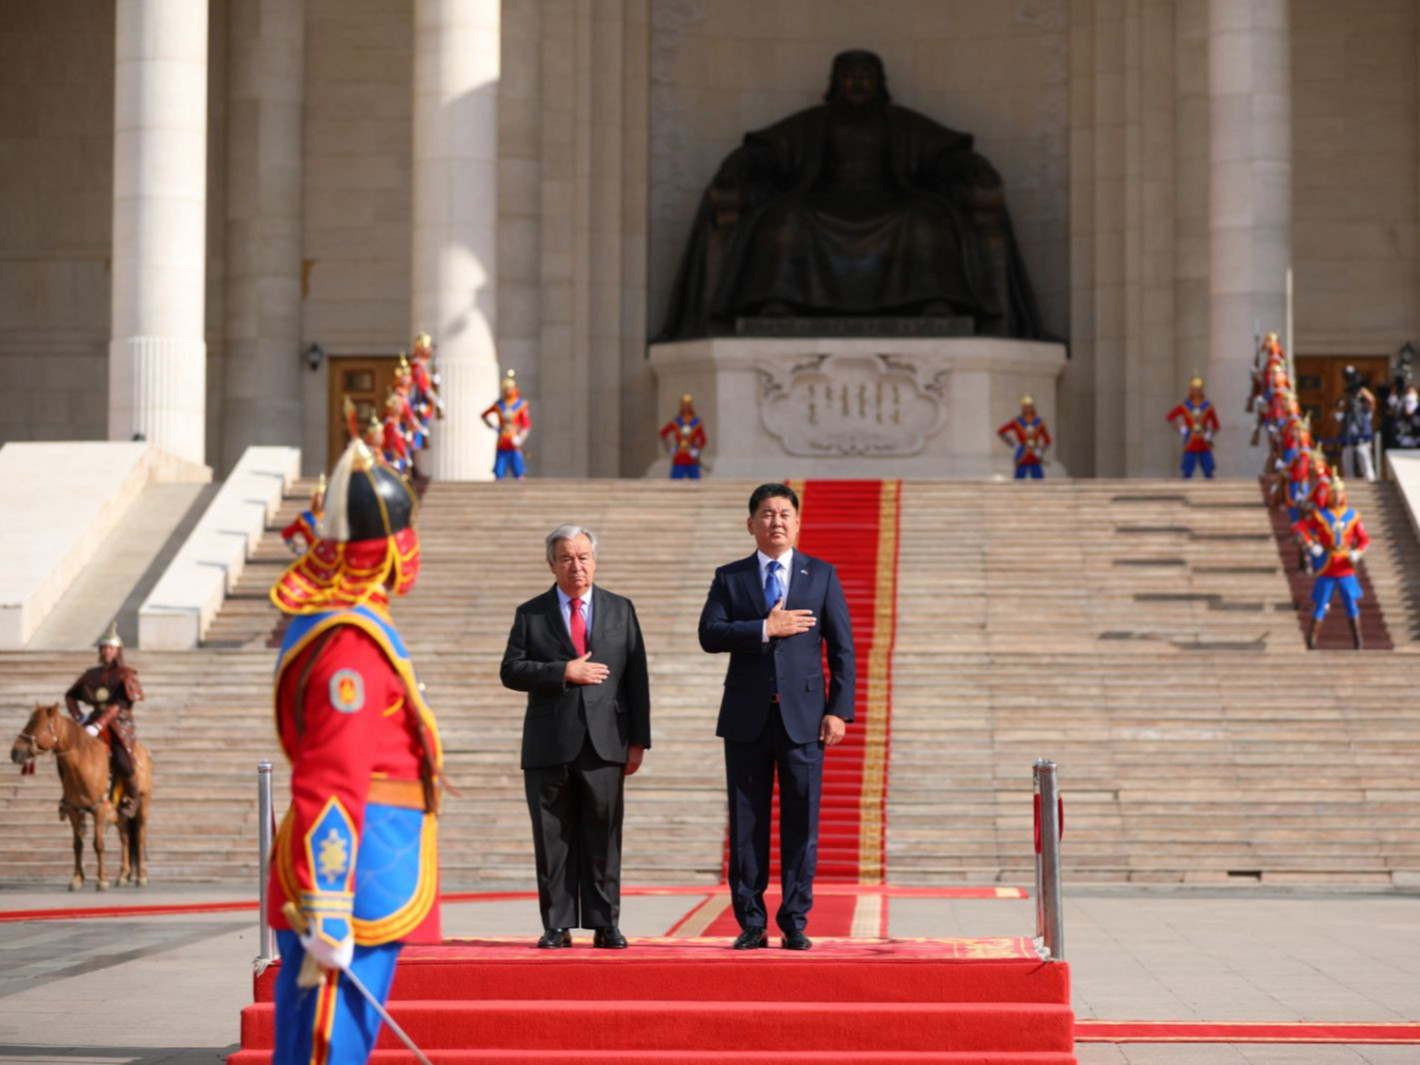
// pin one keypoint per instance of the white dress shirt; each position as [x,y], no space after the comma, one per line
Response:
[786,567]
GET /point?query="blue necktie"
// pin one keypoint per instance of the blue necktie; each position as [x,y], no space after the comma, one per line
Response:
[773,590]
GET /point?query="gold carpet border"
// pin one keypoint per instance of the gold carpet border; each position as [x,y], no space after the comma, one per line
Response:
[872,814]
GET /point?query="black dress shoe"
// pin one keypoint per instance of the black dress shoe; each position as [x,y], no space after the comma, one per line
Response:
[555,939]
[796,940]
[609,938]
[751,938]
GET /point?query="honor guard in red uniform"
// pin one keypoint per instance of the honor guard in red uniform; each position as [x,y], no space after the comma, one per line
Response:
[1336,539]
[513,423]
[684,437]
[111,688]
[427,402]
[410,424]
[303,532]
[1196,421]
[1269,383]
[398,452]
[355,862]
[1029,436]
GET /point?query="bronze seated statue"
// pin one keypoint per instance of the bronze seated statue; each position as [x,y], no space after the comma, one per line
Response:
[857,207]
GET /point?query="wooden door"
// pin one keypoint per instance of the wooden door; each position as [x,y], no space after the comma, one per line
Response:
[1321,382]
[366,379]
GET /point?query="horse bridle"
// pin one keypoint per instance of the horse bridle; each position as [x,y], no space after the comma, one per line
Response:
[35,748]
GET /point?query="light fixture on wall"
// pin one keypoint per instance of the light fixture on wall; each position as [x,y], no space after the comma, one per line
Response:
[314,355]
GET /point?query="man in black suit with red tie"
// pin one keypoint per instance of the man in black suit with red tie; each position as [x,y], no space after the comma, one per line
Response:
[773,613]
[578,653]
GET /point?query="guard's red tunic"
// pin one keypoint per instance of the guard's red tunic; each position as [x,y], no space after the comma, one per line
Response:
[354,742]
[514,420]
[1200,420]
[1032,438]
[1339,531]
[305,527]
[689,438]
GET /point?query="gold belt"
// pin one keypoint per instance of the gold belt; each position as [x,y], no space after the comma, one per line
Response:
[405,794]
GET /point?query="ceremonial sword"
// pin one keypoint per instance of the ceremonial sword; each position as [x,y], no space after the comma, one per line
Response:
[297,920]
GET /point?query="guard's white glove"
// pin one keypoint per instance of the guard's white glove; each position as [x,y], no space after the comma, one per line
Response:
[1317,550]
[695,453]
[328,956]
[1355,556]
[1208,435]
[92,730]
[1183,430]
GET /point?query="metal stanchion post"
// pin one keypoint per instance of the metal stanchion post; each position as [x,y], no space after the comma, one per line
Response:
[266,812]
[1039,877]
[1048,908]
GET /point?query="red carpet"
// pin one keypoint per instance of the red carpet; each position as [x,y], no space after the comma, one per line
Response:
[854,525]
[991,1002]
[860,908]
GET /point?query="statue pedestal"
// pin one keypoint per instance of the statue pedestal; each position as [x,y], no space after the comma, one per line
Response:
[857,407]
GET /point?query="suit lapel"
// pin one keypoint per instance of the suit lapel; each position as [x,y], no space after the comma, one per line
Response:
[599,622]
[558,626]
[800,581]
[749,581]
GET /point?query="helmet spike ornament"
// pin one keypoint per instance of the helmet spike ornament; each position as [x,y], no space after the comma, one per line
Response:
[111,638]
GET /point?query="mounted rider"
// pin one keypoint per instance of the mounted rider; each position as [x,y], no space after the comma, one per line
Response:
[111,688]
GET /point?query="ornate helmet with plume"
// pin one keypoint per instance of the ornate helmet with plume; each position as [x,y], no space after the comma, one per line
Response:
[368,547]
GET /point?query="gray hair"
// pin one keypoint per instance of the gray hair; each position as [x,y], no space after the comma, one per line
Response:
[569,532]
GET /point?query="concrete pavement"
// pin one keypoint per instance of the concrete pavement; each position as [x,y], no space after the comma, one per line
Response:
[169,990]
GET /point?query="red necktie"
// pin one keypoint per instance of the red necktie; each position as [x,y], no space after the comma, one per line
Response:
[577,625]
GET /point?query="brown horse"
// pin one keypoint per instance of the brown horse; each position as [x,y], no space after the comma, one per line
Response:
[83,771]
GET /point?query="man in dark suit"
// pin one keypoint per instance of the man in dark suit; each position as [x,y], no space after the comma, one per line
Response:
[587,726]
[772,613]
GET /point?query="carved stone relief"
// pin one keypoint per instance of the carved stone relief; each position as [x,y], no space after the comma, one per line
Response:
[870,405]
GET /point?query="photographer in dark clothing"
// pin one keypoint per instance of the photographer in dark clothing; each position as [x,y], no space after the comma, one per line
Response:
[1355,413]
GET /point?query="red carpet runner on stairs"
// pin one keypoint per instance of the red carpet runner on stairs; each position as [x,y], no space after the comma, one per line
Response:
[854,526]
[671,1001]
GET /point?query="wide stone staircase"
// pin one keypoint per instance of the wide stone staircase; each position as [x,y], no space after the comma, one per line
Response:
[1142,634]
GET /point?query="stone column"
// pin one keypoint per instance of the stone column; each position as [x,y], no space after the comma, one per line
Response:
[157,355]
[261,380]
[453,289]
[1250,200]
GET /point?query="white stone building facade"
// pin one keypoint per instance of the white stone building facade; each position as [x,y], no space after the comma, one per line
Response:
[194,192]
